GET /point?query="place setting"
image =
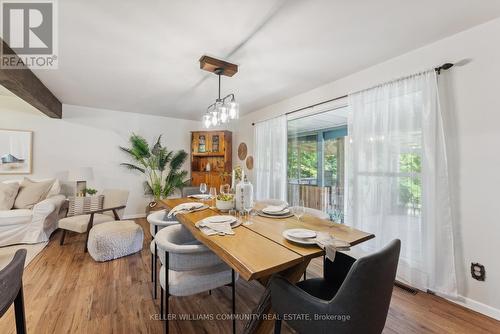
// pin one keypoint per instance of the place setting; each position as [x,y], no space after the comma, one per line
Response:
[275,211]
[218,225]
[324,240]
[187,207]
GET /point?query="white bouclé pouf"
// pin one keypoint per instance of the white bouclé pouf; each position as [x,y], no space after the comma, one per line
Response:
[108,241]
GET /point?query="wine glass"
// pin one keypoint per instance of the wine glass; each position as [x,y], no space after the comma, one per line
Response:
[213,195]
[299,209]
[203,188]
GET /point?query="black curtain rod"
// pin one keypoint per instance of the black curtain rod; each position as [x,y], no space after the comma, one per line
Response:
[438,70]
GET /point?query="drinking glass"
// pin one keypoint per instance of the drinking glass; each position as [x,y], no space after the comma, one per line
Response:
[213,195]
[299,209]
[248,206]
[203,188]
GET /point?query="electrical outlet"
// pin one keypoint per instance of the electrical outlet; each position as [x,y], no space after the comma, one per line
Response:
[477,271]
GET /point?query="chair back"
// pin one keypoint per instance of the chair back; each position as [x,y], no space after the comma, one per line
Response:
[113,198]
[366,292]
[11,280]
[158,220]
[316,213]
[185,252]
[188,191]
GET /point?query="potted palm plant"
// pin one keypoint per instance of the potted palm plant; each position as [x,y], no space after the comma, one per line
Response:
[161,167]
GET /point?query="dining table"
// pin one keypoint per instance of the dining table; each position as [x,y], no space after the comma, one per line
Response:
[258,250]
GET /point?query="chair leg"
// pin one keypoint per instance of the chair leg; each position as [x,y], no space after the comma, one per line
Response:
[233,288]
[167,290]
[277,326]
[19,312]
[63,235]
[154,269]
[89,227]
[161,301]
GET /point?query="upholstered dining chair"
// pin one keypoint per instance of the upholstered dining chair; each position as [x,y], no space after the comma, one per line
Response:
[11,289]
[188,191]
[114,204]
[157,221]
[189,268]
[317,213]
[359,289]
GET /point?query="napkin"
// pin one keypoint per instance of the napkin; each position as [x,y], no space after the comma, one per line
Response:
[331,245]
[200,196]
[184,208]
[275,208]
[210,228]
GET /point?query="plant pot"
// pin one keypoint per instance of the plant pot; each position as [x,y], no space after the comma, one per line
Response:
[224,206]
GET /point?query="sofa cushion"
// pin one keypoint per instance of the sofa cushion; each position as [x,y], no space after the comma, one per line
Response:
[80,223]
[15,217]
[8,193]
[31,193]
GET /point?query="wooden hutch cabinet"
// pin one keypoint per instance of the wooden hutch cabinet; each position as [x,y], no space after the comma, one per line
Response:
[212,148]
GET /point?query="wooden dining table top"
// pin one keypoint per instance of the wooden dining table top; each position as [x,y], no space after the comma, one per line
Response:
[259,250]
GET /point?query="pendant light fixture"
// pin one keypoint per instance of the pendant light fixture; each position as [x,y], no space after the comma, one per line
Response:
[225,109]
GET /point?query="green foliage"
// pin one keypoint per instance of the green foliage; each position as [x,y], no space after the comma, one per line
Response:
[161,167]
[302,158]
[90,191]
[410,188]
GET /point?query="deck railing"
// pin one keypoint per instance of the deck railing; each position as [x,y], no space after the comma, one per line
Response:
[320,198]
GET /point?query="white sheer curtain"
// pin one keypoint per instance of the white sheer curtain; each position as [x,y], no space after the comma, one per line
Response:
[270,145]
[398,178]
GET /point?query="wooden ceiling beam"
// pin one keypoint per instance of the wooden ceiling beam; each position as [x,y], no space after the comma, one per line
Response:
[25,84]
[214,65]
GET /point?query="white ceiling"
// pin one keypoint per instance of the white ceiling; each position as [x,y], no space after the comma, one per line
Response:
[142,56]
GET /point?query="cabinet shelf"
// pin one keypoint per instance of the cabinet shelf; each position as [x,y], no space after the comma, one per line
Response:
[218,153]
[208,154]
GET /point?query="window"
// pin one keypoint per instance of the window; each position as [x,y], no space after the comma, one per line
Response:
[316,161]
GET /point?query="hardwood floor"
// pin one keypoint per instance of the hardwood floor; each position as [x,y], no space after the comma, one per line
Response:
[67,292]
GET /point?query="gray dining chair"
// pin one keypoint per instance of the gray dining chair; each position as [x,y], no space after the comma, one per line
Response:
[157,221]
[188,191]
[358,289]
[11,289]
[188,268]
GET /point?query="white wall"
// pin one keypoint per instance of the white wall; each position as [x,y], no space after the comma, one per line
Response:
[474,138]
[90,137]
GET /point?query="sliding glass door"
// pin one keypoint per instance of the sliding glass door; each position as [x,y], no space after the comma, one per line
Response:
[316,161]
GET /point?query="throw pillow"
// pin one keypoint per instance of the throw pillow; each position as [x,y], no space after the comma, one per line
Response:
[8,193]
[30,193]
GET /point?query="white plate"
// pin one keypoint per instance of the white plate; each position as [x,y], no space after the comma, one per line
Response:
[195,205]
[309,241]
[220,219]
[301,233]
[276,213]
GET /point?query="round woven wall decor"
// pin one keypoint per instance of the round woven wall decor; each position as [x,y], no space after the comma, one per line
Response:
[242,151]
[250,162]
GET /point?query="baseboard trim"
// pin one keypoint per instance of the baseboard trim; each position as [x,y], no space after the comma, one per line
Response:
[477,306]
[134,216]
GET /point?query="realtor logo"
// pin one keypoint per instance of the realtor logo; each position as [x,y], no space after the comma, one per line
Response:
[28,28]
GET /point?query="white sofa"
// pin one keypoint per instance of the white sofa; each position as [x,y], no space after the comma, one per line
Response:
[29,226]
